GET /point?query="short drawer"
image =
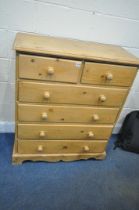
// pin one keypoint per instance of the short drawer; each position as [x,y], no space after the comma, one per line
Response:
[63,131]
[49,69]
[66,113]
[108,74]
[60,147]
[70,94]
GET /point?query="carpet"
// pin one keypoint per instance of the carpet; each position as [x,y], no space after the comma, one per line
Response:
[111,184]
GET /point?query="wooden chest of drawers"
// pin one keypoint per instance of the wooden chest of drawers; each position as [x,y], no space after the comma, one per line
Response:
[69,94]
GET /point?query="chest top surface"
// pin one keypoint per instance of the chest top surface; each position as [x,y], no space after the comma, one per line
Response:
[73,48]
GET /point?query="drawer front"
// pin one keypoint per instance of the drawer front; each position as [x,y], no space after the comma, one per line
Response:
[60,147]
[63,131]
[70,94]
[107,74]
[57,113]
[49,69]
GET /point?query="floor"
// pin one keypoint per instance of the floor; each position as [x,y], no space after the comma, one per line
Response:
[111,184]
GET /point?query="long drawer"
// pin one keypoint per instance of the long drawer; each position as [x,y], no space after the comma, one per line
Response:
[60,147]
[70,94]
[63,131]
[66,113]
[49,69]
[108,74]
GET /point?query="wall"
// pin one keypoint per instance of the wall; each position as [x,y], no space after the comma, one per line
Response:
[112,22]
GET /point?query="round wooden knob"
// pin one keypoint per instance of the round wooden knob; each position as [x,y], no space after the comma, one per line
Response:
[102,98]
[109,76]
[46,95]
[95,117]
[50,70]
[40,148]
[44,116]
[86,148]
[90,134]
[42,134]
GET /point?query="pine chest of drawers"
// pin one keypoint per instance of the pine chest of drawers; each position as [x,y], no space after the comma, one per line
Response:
[68,96]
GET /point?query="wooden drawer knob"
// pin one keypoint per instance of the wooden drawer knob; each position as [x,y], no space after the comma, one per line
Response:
[42,134]
[46,95]
[109,76]
[40,148]
[102,98]
[44,116]
[50,70]
[95,117]
[90,134]
[86,148]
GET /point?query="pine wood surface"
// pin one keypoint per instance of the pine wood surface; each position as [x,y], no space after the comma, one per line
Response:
[60,147]
[49,69]
[63,131]
[66,113]
[108,74]
[69,94]
[73,48]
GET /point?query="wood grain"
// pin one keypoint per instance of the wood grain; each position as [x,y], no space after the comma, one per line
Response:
[66,113]
[60,147]
[97,74]
[73,48]
[63,131]
[18,158]
[58,121]
[70,94]
[49,69]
